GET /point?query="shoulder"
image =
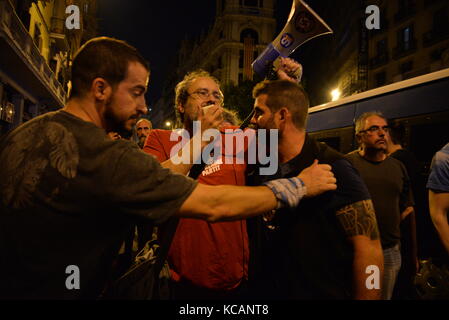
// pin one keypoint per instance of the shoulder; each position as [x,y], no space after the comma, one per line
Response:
[353,156]
[164,137]
[442,155]
[159,133]
[350,185]
[439,173]
[445,149]
[344,170]
[327,153]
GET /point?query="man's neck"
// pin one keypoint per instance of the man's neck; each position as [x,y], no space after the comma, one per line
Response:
[375,155]
[84,110]
[290,144]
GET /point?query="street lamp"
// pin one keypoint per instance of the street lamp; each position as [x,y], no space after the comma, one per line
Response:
[168,124]
[336,93]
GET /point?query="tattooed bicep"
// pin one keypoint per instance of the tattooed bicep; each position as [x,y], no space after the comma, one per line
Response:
[359,218]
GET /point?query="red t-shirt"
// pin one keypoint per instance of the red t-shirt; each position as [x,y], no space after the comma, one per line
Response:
[213,256]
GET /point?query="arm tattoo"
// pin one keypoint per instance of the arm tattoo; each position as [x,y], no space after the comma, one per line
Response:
[359,218]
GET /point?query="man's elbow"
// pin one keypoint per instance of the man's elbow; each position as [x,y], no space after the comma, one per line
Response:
[439,218]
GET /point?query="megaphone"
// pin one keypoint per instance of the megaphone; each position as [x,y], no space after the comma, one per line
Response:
[303,24]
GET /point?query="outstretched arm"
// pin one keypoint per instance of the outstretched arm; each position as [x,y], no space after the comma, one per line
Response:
[222,203]
[360,225]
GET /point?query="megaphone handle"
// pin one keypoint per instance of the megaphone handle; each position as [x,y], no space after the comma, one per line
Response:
[271,73]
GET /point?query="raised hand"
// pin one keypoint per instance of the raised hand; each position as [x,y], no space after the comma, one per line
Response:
[210,117]
[288,69]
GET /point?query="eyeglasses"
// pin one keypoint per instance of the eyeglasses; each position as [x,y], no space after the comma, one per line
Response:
[205,94]
[374,129]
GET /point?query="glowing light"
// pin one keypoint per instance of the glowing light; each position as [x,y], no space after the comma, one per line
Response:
[336,93]
[168,124]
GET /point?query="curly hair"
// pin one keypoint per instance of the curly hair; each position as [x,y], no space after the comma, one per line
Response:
[181,93]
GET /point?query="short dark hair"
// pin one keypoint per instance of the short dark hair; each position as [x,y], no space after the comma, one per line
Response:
[397,132]
[105,58]
[284,93]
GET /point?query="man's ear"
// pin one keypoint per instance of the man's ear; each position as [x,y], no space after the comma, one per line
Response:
[101,89]
[284,113]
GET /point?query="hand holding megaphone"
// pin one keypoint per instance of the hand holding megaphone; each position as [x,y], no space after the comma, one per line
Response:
[288,69]
[303,24]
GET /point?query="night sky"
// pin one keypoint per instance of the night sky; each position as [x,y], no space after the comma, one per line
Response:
[156,28]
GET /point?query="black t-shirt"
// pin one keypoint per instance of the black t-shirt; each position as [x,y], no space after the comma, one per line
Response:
[414,170]
[389,186]
[307,255]
[68,194]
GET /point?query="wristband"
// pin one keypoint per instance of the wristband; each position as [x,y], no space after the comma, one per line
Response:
[288,192]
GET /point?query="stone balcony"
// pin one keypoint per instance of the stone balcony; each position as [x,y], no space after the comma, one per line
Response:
[21,60]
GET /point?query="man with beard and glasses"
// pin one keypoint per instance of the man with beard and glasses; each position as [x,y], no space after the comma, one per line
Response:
[324,250]
[389,186]
[69,195]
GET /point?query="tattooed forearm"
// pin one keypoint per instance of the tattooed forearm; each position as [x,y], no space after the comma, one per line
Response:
[359,219]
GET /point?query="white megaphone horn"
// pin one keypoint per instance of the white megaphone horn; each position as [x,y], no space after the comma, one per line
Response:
[302,25]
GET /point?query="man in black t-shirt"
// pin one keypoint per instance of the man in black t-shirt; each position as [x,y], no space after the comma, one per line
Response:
[389,186]
[324,248]
[68,193]
[416,228]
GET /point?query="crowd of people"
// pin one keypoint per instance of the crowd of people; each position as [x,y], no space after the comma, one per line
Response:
[323,226]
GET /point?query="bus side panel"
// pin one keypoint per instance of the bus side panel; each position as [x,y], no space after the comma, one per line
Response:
[431,98]
[339,117]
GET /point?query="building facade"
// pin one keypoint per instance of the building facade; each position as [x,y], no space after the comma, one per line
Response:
[35,53]
[413,40]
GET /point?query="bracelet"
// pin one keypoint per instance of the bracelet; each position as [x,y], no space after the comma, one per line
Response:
[288,192]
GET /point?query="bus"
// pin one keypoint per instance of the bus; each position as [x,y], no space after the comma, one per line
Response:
[420,104]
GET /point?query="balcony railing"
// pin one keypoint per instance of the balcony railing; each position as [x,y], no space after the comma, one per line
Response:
[57,25]
[404,49]
[435,36]
[11,25]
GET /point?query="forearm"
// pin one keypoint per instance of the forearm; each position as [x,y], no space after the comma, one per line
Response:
[225,203]
[190,153]
[406,212]
[439,219]
[439,208]
[367,253]
[360,225]
[178,168]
